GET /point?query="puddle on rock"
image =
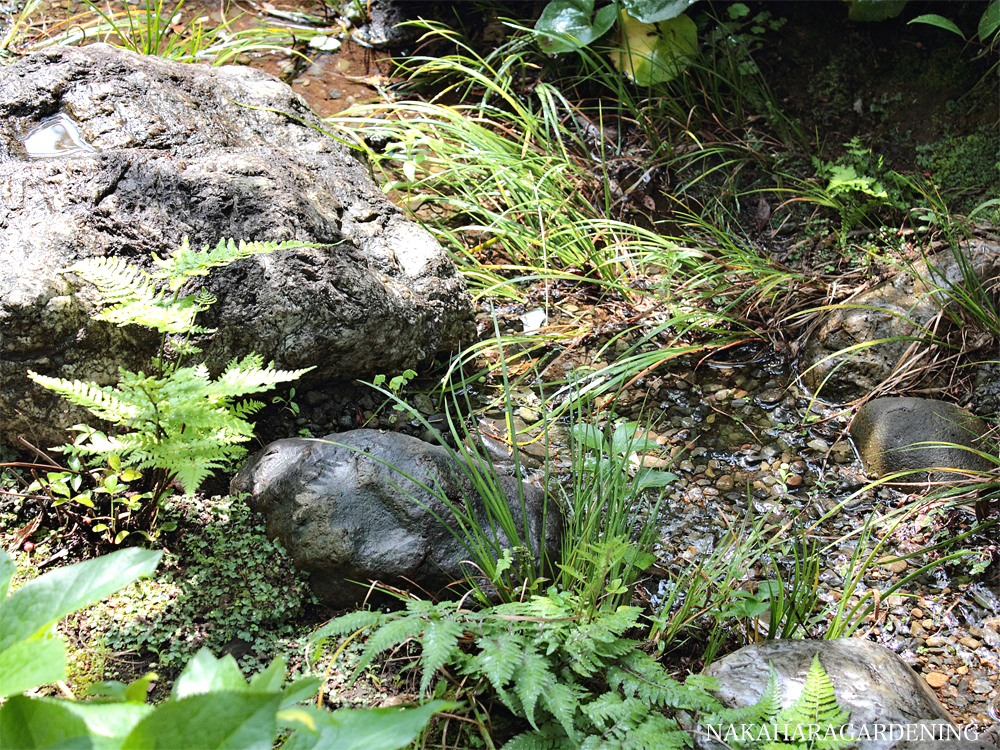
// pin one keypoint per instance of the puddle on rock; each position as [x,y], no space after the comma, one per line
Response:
[57,136]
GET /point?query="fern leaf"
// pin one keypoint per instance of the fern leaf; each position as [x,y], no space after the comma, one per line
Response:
[392,633]
[102,401]
[562,701]
[539,740]
[118,282]
[246,376]
[349,623]
[640,676]
[817,706]
[184,262]
[751,719]
[656,732]
[497,658]
[439,642]
[530,678]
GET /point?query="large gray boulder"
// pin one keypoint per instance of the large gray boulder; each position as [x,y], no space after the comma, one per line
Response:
[873,683]
[874,336]
[350,507]
[914,435]
[165,150]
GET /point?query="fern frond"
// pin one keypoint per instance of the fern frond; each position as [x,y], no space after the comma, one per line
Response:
[349,623]
[656,732]
[817,706]
[530,678]
[118,282]
[640,676]
[540,740]
[249,376]
[764,711]
[104,402]
[392,633]
[184,262]
[497,658]
[439,644]
[562,699]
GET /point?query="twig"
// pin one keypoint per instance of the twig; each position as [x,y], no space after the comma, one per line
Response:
[38,452]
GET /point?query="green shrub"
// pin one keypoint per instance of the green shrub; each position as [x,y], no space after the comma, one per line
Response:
[210,706]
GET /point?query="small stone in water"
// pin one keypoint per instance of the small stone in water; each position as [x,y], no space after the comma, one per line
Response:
[794,480]
[969,643]
[725,482]
[818,444]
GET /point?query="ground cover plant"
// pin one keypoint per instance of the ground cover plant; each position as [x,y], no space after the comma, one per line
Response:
[684,222]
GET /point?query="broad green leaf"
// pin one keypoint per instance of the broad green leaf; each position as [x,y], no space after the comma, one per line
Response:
[271,679]
[223,720]
[654,53]
[360,729]
[568,25]
[653,11]
[639,559]
[44,600]
[204,673]
[645,478]
[28,664]
[137,691]
[7,570]
[874,10]
[300,690]
[108,723]
[27,723]
[940,21]
[990,21]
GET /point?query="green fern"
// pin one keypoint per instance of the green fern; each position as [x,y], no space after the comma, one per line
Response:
[185,262]
[573,678]
[816,706]
[176,420]
[813,722]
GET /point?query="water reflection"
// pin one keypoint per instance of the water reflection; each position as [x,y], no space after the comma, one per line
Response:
[57,136]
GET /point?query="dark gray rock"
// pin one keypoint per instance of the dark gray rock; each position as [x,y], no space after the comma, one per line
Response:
[869,680]
[344,514]
[173,154]
[888,433]
[893,314]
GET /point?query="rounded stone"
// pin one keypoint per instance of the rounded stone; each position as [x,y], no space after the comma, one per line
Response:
[913,435]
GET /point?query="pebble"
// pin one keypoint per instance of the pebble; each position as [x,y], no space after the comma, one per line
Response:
[936,641]
[980,687]
[794,480]
[725,482]
[334,93]
[970,643]
[936,679]
[818,444]
[528,415]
